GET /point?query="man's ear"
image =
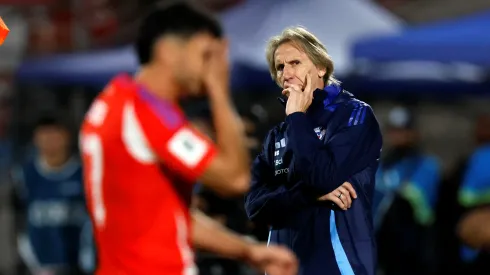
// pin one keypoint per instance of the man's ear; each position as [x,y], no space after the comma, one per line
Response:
[321,72]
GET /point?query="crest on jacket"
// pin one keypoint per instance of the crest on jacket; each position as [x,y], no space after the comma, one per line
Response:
[320,132]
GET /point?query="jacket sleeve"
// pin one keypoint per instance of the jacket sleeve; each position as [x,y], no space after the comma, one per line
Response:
[269,201]
[355,144]
[475,187]
[421,190]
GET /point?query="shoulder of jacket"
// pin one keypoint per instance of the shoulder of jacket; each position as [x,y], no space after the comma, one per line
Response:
[354,103]
[355,112]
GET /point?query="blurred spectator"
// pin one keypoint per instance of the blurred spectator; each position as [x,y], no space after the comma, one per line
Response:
[406,193]
[6,158]
[50,202]
[5,141]
[473,195]
[457,196]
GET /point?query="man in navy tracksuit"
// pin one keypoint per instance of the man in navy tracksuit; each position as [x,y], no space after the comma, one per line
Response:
[328,138]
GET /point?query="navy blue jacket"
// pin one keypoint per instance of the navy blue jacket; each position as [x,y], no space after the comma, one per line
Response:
[309,155]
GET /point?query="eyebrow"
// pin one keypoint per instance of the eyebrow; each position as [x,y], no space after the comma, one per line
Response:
[296,58]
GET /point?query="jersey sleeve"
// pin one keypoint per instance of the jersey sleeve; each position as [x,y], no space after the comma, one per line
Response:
[179,146]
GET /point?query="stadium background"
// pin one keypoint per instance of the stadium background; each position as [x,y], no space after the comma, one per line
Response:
[431,56]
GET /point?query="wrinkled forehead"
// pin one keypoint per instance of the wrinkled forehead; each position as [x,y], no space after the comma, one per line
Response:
[288,51]
[51,129]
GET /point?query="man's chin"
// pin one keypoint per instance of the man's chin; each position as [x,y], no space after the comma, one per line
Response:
[194,92]
[300,85]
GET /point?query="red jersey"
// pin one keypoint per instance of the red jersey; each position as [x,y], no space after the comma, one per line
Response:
[141,158]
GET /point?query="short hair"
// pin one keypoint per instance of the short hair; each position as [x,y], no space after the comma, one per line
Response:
[52,120]
[307,42]
[181,19]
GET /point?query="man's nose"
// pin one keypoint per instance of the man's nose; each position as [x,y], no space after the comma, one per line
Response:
[288,72]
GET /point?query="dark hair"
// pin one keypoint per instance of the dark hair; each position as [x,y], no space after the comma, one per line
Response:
[181,19]
[51,120]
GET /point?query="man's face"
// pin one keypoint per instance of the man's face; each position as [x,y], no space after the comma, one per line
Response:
[51,139]
[190,60]
[400,137]
[292,66]
[483,129]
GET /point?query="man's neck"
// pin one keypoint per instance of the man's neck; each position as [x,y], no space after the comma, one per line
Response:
[158,82]
[54,161]
[320,84]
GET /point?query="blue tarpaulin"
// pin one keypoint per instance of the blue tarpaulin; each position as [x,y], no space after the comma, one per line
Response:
[91,68]
[453,52]
[466,40]
[97,68]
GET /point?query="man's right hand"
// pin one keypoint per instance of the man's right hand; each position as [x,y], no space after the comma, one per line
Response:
[217,77]
[228,173]
[274,260]
[342,196]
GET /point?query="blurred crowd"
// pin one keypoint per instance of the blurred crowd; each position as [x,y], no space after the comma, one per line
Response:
[432,171]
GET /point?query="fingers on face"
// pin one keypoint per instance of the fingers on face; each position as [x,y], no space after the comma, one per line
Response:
[295,88]
[308,85]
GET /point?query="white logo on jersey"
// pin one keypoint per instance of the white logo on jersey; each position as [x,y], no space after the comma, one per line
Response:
[97,113]
[187,147]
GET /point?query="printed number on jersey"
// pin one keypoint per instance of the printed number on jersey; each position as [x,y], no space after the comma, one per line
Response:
[92,147]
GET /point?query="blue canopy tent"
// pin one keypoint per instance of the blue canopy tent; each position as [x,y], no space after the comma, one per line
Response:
[97,68]
[91,68]
[445,56]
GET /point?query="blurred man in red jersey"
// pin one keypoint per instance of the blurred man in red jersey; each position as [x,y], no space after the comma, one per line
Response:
[141,156]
